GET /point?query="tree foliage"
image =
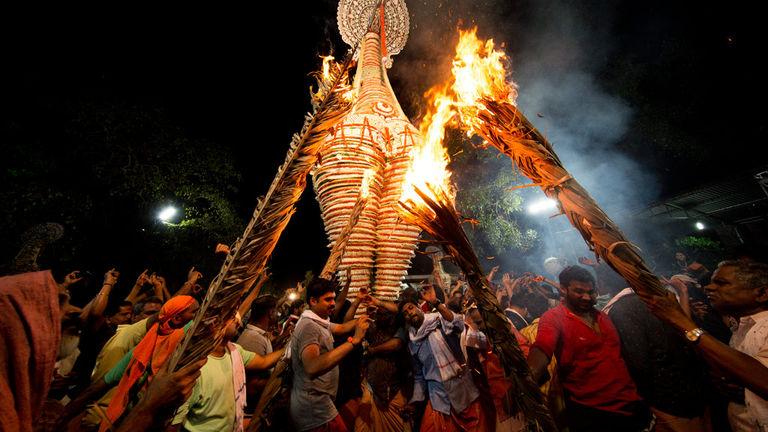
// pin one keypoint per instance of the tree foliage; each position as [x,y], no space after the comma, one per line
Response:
[103,171]
[485,185]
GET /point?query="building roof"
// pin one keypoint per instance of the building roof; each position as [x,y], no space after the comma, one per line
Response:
[741,199]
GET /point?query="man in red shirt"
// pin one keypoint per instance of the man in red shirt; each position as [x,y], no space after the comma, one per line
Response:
[599,393]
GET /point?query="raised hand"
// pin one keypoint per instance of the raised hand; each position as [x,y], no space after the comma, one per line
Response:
[110,277]
[193,275]
[221,248]
[143,278]
[361,327]
[72,278]
[428,294]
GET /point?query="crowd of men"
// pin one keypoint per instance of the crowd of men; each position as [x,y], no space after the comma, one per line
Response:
[606,358]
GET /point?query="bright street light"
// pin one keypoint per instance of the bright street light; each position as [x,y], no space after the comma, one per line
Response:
[167,214]
[699,226]
[542,205]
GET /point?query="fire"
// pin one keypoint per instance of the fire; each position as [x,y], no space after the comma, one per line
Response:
[429,159]
[327,60]
[366,183]
[479,71]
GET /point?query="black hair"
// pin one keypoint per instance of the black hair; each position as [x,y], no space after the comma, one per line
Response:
[535,303]
[575,273]
[408,295]
[319,286]
[262,305]
[115,308]
[298,303]
[154,299]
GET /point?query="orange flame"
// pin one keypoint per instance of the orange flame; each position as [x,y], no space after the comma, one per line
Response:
[327,66]
[429,158]
[479,72]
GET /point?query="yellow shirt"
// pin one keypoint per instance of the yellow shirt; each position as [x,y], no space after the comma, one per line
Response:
[116,347]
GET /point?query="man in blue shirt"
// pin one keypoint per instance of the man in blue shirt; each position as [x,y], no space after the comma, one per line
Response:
[440,367]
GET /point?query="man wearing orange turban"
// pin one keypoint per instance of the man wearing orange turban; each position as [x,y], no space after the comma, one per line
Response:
[140,364]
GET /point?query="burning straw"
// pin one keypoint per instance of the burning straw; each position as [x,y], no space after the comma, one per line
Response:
[484,98]
[436,215]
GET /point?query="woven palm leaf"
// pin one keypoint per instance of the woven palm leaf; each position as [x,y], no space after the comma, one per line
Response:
[507,129]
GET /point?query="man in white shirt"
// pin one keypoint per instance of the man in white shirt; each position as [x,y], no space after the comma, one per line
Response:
[263,320]
[738,289]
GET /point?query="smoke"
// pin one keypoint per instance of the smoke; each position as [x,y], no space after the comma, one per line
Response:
[558,51]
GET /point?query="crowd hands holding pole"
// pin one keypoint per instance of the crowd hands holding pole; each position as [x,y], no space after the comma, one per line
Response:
[694,358]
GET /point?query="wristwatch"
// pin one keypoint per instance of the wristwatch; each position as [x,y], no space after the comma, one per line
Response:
[694,335]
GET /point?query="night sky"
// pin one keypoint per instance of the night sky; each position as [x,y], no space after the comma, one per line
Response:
[238,77]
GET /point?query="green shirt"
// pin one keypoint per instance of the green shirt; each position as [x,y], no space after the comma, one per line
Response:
[113,353]
[211,406]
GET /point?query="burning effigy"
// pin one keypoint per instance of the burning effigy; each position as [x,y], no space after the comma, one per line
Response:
[380,181]
[369,149]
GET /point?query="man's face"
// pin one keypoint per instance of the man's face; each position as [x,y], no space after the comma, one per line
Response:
[188,315]
[413,315]
[324,305]
[123,316]
[729,295]
[580,296]
[147,311]
[680,256]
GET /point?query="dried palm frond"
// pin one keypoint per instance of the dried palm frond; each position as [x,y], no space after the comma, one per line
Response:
[250,253]
[507,129]
[440,220]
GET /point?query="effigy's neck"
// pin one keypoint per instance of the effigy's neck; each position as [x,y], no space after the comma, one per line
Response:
[374,92]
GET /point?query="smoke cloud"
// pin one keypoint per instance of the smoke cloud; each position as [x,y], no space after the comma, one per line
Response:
[558,50]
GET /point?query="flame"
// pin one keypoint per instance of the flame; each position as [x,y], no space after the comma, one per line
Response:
[429,158]
[366,183]
[327,66]
[479,71]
